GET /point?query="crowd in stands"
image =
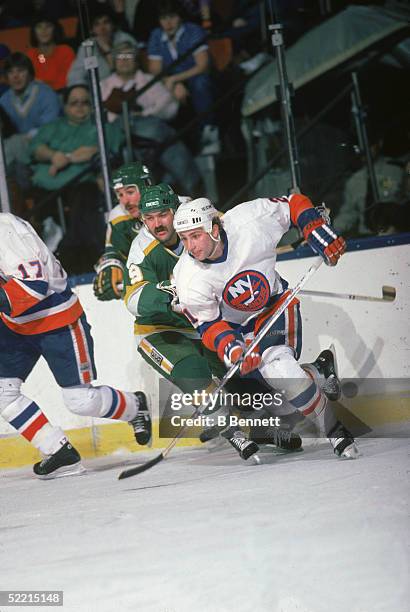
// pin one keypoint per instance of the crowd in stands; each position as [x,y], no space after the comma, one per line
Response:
[48,130]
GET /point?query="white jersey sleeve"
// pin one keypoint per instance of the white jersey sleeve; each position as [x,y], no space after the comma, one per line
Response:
[34,281]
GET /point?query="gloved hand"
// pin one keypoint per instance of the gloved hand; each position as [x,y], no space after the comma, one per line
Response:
[108,283]
[321,236]
[169,287]
[233,352]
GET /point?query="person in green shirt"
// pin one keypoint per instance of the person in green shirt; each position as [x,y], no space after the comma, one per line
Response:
[124,222]
[61,149]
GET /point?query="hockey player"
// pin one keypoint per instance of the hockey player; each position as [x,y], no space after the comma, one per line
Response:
[228,287]
[164,337]
[41,316]
[128,183]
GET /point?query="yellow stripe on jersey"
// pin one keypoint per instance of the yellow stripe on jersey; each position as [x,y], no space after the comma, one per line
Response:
[119,219]
[154,354]
[150,247]
[131,289]
[142,330]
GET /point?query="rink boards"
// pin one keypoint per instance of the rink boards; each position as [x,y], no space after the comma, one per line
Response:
[371,341]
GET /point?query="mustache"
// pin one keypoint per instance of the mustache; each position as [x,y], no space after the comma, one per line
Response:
[161,228]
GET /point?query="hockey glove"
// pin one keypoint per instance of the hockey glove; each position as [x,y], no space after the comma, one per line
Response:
[110,277]
[233,352]
[169,287]
[321,236]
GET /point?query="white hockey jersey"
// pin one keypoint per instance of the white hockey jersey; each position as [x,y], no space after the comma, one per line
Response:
[240,284]
[33,280]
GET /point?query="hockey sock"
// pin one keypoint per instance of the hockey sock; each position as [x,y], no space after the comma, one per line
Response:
[104,402]
[30,422]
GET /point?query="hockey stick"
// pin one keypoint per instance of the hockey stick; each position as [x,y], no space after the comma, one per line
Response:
[232,370]
[388,295]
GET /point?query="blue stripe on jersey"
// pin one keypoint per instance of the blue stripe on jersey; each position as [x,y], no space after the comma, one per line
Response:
[24,416]
[113,405]
[305,397]
[52,300]
[202,328]
[38,286]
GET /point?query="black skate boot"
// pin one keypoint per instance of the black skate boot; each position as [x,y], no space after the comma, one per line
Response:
[279,436]
[246,448]
[325,365]
[141,423]
[65,462]
[342,441]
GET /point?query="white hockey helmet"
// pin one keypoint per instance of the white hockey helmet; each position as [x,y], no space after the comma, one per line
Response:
[197,213]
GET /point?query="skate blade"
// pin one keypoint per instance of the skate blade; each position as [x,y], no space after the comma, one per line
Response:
[67,470]
[256,459]
[350,452]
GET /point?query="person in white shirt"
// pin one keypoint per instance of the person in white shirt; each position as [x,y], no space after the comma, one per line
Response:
[149,114]
[228,288]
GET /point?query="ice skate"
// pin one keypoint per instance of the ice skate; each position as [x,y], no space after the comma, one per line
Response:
[246,448]
[326,366]
[141,423]
[343,442]
[281,437]
[65,462]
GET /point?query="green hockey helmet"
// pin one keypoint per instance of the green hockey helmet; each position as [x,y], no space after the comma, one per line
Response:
[158,197]
[134,174]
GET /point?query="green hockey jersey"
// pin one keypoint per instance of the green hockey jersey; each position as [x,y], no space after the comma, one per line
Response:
[122,228]
[150,262]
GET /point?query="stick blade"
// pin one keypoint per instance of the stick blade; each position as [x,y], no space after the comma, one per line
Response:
[389,293]
[138,469]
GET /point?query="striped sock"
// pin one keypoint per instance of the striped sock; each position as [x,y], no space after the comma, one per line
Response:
[30,422]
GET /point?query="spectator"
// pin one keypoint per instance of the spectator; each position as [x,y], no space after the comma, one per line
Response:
[136,16]
[29,105]
[352,219]
[51,59]
[148,113]
[62,151]
[62,148]
[168,42]
[128,78]
[106,36]
[4,54]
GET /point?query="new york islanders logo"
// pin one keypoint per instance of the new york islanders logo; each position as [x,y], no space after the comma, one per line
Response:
[249,290]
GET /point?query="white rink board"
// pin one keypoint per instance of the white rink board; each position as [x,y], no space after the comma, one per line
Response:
[371,339]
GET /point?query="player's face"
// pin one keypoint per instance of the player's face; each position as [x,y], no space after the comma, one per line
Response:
[18,78]
[161,225]
[170,24]
[198,242]
[129,198]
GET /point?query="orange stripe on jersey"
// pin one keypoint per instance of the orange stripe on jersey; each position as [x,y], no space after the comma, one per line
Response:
[20,300]
[297,204]
[84,366]
[48,323]
[268,313]
[121,407]
[35,427]
[311,408]
[291,325]
[213,331]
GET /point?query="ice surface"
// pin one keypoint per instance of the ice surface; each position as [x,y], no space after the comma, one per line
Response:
[207,532]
